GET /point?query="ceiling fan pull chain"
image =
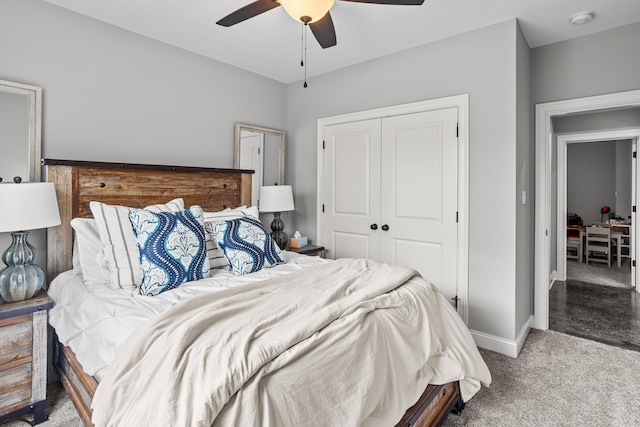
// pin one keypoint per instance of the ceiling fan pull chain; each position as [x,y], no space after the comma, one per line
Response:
[305,57]
[302,45]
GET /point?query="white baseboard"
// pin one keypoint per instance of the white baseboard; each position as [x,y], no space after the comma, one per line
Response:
[524,333]
[501,345]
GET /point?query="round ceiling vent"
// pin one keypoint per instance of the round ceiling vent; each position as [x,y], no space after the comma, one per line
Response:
[581,17]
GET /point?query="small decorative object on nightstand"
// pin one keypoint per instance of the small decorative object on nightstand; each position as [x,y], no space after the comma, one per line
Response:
[23,358]
[24,206]
[311,250]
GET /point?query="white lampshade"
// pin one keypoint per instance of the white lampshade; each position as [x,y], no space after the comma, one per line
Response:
[314,9]
[28,206]
[276,198]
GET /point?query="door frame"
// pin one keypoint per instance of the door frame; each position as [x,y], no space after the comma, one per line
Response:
[461,103]
[561,222]
[544,140]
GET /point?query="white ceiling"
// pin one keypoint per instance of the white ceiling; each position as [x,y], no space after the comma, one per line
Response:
[270,44]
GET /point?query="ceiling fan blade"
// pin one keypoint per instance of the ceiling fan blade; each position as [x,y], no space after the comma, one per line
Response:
[396,2]
[248,11]
[324,31]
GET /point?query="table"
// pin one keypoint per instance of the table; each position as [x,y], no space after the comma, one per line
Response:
[619,235]
[311,250]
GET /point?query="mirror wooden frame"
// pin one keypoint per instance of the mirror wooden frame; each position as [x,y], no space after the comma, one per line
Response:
[239,127]
[34,94]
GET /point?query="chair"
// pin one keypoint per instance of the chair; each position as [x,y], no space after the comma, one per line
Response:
[574,244]
[599,245]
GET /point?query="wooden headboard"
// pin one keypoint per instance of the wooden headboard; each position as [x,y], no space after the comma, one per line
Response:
[137,185]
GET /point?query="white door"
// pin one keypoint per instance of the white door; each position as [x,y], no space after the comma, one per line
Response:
[419,195]
[351,180]
[251,157]
[390,193]
[634,201]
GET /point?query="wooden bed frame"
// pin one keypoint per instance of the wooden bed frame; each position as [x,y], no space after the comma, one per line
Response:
[138,185]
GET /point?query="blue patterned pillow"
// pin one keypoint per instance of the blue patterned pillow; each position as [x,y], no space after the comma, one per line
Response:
[172,248]
[246,245]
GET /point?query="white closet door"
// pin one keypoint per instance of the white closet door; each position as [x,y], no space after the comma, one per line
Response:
[351,185]
[419,195]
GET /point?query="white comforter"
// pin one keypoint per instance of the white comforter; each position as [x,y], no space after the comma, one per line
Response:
[349,343]
[94,319]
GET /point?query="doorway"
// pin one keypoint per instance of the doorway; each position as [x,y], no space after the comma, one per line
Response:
[591,300]
[614,190]
[546,174]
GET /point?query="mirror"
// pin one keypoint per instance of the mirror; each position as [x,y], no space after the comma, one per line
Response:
[20,121]
[262,150]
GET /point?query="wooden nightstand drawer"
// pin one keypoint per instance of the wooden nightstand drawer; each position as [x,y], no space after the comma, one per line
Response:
[15,340]
[15,388]
[23,358]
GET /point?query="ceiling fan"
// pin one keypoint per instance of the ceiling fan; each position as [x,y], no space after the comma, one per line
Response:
[314,13]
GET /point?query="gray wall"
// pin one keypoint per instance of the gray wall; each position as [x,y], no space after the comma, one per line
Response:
[111,95]
[597,64]
[601,63]
[481,63]
[591,179]
[601,121]
[597,121]
[599,174]
[524,208]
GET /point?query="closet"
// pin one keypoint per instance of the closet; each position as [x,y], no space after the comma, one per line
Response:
[388,189]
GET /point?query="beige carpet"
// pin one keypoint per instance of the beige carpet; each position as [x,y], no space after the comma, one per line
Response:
[60,408]
[558,380]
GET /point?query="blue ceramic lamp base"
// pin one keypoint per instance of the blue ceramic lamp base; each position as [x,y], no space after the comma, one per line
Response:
[277,233]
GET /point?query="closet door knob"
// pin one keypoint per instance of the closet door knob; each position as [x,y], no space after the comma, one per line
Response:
[385,227]
[374,226]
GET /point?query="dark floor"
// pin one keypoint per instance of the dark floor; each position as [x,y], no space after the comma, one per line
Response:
[596,312]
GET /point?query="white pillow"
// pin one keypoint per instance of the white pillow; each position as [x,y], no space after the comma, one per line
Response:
[216,257]
[119,242]
[75,259]
[88,251]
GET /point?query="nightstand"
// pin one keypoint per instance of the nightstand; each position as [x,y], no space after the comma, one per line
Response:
[311,250]
[23,357]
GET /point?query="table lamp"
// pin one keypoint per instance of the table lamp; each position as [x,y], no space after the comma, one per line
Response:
[276,199]
[24,206]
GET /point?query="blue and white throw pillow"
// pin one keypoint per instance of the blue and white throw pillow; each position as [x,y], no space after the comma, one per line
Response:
[246,245]
[216,257]
[172,248]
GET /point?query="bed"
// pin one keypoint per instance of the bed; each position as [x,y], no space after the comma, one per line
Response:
[135,185]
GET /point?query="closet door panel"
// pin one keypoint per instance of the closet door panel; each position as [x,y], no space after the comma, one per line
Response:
[351,185]
[427,255]
[351,245]
[419,194]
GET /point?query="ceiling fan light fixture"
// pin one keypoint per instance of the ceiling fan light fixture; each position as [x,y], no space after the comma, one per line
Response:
[307,11]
